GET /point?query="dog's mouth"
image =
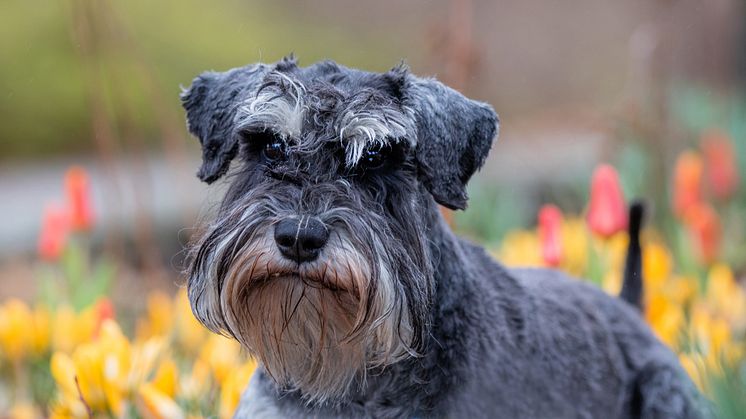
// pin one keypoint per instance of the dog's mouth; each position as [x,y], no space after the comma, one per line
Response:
[326,278]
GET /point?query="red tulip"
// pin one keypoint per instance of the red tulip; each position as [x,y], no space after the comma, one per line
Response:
[54,231]
[77,190]
[705,230]
[607,212]
[720,163]
[550,234]
[687,182]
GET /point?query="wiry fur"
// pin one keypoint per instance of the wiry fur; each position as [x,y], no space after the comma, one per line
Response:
[357,121]
[397,317]
[320,326]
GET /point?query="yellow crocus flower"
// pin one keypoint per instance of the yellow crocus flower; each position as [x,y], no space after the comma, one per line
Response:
[68,403]
[15,341]
[190,334]
[153,404]
[574,246]
[665,318]
[41,331]
[221,354]
[682,289]
[656,266]
[521,248]
[159,318]
[166,378]
[70,329]
[232,388]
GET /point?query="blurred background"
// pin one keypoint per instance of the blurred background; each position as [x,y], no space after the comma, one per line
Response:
[95,85]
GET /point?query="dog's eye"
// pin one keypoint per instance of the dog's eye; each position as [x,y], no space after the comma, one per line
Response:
[374,158]
[274,150]
[267,144]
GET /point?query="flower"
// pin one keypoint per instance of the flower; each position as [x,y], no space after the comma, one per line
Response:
[704,229]
[166,378]
[656,266]
[550,234]
[159,316]
[152,403]
[574,246]
[607,212]
[687,182]
[102,374]
[232,387]
[520,248]
[70,329]
[15,341]
[221,354]
[720,163]
[190,333]
[54,232]
[40,334]
[77,190]
[665,318]
[726,295]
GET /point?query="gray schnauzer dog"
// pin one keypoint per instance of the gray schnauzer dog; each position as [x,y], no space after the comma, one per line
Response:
[330,263]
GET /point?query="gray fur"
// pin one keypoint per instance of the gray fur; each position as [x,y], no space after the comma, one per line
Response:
[428,325]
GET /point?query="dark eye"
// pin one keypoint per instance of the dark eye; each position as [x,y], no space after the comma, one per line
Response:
[274,150]
[374,158]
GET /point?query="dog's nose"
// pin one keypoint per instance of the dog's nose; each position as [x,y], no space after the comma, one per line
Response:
[301,239]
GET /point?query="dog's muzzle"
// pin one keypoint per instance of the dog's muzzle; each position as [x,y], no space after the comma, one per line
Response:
[314,298]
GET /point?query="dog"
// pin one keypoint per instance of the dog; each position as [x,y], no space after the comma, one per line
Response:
[330,262]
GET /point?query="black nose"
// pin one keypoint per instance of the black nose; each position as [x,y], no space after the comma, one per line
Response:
[301,239]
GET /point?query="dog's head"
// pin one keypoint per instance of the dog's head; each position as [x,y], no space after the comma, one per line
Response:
[319,261]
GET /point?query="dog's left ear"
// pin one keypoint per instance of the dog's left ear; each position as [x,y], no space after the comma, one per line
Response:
[211,103]
[454,136]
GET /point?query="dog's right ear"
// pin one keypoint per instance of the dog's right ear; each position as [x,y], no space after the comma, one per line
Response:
[211,103]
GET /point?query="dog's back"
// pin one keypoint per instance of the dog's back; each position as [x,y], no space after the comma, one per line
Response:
[558,347]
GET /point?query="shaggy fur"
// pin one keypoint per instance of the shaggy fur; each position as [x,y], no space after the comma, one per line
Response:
[397,317]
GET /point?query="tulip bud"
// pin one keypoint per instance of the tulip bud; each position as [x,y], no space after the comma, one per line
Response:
[550,234]
[54,231]
[704,228]
[77,190]
[687,186]
[720,163]
[607,212]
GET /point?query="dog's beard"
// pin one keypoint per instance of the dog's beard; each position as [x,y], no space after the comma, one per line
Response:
[317,327]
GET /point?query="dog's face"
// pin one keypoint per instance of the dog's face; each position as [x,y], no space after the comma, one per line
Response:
[319,261]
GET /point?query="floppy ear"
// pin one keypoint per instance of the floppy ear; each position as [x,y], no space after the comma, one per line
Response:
[211,102]
[454,136]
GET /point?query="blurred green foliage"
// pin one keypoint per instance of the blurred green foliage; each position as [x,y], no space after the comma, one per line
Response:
[45,83]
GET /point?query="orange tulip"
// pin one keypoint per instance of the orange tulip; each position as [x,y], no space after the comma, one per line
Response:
[721,165]
[77,190]
[550,234]
[607,212]
[687,182]
[54,232]
[704,228]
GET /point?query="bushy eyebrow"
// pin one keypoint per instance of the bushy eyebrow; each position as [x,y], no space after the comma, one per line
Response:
[278,106]
[366,119]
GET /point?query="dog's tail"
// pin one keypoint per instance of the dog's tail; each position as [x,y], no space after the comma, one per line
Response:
[632,284]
